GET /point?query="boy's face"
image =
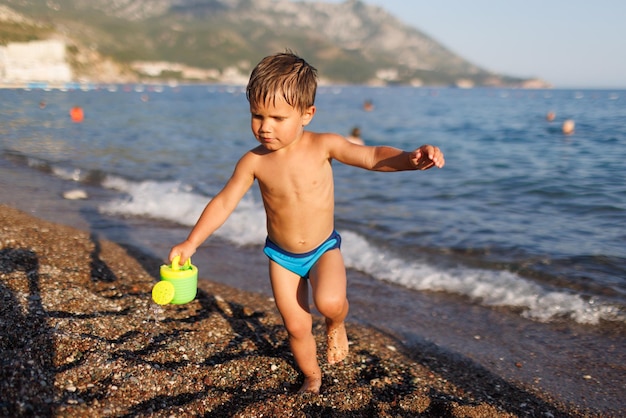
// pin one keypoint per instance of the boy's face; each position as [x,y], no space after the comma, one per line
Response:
[276,124]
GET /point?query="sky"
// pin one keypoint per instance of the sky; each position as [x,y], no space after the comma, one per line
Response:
[568,43]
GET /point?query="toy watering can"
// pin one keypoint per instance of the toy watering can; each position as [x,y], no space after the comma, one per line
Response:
[178,285]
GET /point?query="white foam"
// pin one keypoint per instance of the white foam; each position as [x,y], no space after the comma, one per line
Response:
[176,202]
[169,201]
[73,174]
[490,288]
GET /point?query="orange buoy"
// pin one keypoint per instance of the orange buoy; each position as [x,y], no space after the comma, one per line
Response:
[77,114]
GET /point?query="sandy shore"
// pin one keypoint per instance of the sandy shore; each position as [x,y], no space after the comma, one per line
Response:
[81,337]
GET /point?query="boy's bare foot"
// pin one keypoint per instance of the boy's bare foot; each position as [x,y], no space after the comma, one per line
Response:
[337,344]
[311,385]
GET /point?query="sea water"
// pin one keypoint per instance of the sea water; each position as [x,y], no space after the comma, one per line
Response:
[521,217]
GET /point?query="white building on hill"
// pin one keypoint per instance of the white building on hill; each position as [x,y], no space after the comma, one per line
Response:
[34,61]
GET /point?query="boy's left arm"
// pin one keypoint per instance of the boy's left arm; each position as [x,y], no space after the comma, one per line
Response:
[393,159]
[384,158]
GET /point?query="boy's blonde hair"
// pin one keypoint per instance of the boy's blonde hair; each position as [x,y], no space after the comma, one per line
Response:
[283,74]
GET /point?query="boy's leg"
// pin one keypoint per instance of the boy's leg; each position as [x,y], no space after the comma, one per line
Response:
[329,283]
[292,300]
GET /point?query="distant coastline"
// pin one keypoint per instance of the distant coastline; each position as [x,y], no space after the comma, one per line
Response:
[360,44]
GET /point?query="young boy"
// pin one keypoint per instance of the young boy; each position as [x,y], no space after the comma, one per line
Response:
[293,169]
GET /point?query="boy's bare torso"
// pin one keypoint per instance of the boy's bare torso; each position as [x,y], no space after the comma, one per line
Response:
[297,187]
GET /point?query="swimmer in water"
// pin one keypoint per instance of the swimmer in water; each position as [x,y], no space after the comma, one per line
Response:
[355,136]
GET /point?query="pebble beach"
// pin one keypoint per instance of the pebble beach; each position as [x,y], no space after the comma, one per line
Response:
[81,336]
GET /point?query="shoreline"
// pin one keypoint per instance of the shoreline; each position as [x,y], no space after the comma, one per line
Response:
[105,349]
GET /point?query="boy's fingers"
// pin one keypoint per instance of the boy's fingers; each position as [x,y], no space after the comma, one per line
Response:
[173,255]
[436,156]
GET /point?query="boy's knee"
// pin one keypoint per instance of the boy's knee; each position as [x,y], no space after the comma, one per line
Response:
[332,307]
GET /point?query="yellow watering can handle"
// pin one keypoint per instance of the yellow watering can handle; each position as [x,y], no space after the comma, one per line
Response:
[176,263]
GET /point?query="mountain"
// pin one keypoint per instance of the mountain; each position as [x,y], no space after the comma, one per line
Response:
[348,42]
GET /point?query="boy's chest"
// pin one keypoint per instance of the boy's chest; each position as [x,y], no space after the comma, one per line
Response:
[294,176]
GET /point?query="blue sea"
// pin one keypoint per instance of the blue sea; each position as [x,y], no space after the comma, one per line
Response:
[523,222]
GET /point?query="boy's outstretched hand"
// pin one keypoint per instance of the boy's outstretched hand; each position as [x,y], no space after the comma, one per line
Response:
[426,157]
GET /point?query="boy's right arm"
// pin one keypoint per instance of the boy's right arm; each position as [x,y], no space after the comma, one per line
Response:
[217,210]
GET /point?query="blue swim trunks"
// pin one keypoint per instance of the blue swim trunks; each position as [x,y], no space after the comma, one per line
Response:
[300,264]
